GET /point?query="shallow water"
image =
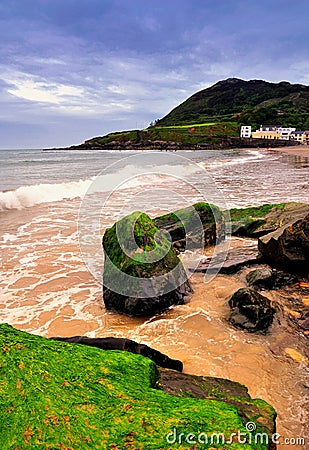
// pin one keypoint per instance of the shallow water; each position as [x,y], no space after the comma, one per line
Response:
[47,288]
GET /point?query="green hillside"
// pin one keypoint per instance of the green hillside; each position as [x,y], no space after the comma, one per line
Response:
[251,102]
[188,135]
[211,118]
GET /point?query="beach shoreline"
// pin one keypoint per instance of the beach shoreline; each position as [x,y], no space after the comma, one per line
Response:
[301,150]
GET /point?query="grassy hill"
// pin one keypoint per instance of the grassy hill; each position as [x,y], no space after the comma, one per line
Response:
[251,102]
[211,118]
[189,135]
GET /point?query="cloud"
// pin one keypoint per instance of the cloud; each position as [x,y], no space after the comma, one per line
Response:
[38,91]
[116,63]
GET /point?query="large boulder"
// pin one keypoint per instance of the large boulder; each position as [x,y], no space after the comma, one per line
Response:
[257,221]
[288,247]
[250,310]
[142,272]
[199,225]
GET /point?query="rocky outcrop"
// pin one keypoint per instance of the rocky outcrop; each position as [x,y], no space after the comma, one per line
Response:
[232,261]
[111,343]
[288,247]
[267,278]
[194,227]
[142,272]
[211,388]
[251,311]
[211,142]
[257,221]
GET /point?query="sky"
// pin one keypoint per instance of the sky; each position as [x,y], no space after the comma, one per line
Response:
[74,69]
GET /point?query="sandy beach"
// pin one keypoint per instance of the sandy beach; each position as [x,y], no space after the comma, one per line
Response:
[301,150]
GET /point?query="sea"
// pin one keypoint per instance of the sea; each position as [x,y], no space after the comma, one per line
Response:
[54,208]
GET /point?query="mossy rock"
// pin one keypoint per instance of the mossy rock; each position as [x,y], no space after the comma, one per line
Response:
[193,227]
[257,221]
[57,396]
[142,272]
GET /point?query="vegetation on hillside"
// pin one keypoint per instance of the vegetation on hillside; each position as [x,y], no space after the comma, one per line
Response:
[212,118]
[203,133]
[252,102]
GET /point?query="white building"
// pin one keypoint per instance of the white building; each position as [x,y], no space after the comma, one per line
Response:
[300,136]
[284,132]
[245,131]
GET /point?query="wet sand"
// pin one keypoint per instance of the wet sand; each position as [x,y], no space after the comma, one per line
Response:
[301,150]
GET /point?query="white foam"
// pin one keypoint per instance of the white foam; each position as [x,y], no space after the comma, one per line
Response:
[125,178]
[26,196]
[7,237]
[252,157]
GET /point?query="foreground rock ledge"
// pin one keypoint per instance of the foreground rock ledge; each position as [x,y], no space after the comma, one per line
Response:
[59,395]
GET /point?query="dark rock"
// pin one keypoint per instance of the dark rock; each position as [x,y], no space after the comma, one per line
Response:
[288,247]
[230,392]
[142,272]
[193,227]
[111,343]
[267,278]
[234,260]
[250,310]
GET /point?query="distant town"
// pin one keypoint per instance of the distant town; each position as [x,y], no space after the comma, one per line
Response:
[275,132]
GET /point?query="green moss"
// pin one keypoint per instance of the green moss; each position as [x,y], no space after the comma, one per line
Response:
[246,221]
[56,395]
[209,217]
[187,214]
[254,211]
[144,243]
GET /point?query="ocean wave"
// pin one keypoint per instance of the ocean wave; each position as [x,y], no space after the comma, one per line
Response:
[26,196]
[252,157]
[127,177]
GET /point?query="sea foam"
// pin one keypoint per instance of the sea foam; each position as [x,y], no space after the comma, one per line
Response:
[26,196]
[124,178]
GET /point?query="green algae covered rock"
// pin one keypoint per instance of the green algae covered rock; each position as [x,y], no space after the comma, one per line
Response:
[142,272]
[257,221]
[197,226]
[57,396]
